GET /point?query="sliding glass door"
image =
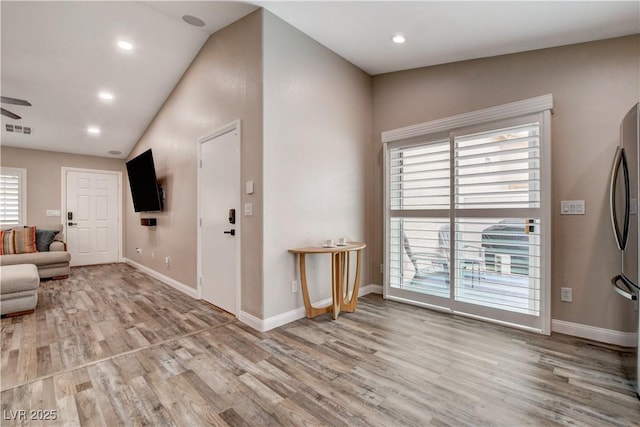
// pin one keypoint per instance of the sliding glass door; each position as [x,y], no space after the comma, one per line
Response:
[466,219]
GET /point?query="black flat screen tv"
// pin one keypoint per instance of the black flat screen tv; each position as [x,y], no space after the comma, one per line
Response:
[145,191]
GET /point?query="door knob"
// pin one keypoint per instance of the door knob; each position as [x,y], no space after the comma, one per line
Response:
[72,223]
[232,232]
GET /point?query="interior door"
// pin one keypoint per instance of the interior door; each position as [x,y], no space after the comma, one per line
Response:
[91,217]
[219,196]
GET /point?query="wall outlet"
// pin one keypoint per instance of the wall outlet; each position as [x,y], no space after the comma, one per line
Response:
[153,255]
[167,261]
[294,286]
[139,251]
[566,295]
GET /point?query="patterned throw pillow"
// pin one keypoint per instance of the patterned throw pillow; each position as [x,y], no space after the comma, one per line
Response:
[25,240]
[8,247]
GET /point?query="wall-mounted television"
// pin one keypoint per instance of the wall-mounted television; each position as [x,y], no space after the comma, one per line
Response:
[145,191]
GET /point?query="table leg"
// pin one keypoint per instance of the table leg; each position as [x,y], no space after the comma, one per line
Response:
[347,283]
[336,268]
[350,306]
[305,289]
[310,310]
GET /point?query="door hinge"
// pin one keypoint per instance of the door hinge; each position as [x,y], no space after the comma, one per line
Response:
[200,162]
[200,281]
[200,221]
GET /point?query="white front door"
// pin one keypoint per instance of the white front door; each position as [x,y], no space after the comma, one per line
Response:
[219,195]
[91,217]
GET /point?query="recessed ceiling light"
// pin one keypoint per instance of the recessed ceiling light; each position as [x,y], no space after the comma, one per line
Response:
[93,130]
[106,96]
[125,45]
[398,38]
[193,20]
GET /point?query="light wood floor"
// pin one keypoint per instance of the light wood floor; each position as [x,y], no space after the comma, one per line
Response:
[110,346]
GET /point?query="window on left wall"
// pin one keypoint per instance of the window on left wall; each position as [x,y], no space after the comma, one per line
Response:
[13,196]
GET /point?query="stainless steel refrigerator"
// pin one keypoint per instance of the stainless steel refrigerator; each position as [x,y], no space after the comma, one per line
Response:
[625,182]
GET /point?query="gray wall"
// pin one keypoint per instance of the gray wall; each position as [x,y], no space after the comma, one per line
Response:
[44,178]
[593,86]
[321,177]
[224,83]
[317,127]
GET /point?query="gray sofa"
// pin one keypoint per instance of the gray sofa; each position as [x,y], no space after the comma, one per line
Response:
[51,264]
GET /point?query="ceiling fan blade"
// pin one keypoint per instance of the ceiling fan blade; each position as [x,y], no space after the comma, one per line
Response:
[9,114]
[15,101]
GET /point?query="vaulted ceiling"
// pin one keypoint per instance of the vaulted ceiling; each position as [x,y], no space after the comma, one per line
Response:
[60,55]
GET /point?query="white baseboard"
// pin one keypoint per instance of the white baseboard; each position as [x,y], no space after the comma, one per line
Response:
[264,325]
[188,290]
[370,289]
[609,336]
[252,321]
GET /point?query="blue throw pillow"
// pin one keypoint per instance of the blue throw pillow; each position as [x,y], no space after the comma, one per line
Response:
[44,238]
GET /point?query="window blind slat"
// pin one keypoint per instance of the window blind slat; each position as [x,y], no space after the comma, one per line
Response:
[11,183]
[498,168]
[420,176]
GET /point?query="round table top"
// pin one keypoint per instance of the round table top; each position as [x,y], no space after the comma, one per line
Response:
[352,246]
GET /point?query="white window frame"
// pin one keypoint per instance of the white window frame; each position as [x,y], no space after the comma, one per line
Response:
[21,173]
[542,105]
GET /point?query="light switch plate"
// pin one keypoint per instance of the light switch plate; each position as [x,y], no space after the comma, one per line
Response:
[249,187]
[248,209]
[572,207]
[53,212]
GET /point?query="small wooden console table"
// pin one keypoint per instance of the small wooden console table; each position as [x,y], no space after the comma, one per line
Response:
[341,300]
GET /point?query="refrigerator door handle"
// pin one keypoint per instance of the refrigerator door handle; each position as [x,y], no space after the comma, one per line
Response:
[628,293]
[620,161]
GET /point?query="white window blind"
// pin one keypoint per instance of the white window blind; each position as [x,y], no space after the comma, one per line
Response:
[467,218]
[499,168]
[13,182]
[419,176]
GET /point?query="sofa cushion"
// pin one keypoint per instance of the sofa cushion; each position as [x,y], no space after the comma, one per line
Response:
[25,240]
[18,278]
[37,258]
[8,247]
[44,238]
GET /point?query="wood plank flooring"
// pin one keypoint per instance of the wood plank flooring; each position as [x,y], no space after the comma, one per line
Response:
[111,346]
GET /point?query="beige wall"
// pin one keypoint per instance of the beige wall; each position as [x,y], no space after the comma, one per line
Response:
[224,83]
[593,86]
[44,178]
[317,127]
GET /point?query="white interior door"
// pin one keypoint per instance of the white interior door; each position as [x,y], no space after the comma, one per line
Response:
[91,217]
[219,193]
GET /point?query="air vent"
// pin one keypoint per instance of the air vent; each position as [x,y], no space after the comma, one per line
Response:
[18,129]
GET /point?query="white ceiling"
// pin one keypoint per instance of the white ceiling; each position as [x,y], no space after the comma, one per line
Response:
[440,32]
[58,55]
